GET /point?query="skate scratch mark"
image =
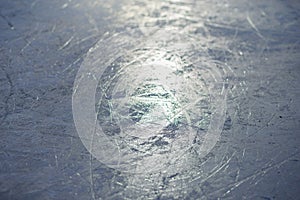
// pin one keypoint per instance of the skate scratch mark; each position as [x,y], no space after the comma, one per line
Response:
[255,28]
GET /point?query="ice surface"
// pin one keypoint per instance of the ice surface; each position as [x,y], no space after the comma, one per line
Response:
[174,99]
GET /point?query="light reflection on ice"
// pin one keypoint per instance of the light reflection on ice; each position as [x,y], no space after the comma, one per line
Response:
[156,101]
[154,107]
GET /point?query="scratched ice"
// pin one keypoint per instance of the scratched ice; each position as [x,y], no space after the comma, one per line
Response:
[154,96]
[156,105]
[175,99]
